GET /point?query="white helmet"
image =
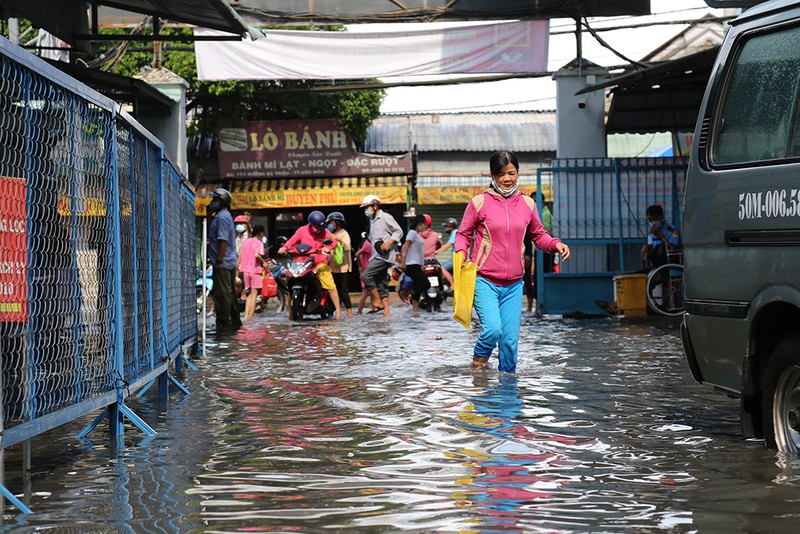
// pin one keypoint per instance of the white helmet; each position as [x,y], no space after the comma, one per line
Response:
[370,200]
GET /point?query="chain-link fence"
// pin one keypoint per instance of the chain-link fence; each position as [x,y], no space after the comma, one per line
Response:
[96,249]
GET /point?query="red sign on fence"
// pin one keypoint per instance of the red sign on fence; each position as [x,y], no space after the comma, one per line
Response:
[13,251]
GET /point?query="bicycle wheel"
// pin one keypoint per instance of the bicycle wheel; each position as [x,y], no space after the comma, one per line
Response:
[665,289]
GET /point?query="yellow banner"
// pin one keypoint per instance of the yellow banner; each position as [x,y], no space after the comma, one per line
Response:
[90,206]
[463,194]
[302,198]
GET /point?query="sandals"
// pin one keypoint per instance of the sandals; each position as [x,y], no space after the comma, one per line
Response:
[375,309]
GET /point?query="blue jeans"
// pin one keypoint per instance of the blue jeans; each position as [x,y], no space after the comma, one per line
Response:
[448,266]
[499,310]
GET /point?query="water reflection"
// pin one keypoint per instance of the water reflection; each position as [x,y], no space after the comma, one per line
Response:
[377,425]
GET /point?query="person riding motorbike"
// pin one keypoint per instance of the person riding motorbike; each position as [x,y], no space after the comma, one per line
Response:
[432,241]
[321,241]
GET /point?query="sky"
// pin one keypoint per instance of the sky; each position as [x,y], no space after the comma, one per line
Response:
[540,93]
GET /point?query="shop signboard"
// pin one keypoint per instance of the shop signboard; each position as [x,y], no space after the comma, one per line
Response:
[463,194]
[308,193]
[294,149]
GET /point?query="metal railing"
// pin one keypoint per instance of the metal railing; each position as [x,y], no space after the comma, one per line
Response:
[96,252]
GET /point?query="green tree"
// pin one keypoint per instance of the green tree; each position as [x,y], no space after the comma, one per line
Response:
[234,103]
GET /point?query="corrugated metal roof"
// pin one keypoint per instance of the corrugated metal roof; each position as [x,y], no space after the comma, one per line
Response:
[477,132]
[69,19]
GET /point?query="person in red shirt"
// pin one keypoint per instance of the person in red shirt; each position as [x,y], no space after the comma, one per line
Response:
[431,241]
[314,234]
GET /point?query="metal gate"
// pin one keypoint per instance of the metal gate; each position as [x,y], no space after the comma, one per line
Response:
[599,211]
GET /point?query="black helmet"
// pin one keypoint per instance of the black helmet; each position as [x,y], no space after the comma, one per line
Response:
[335,216]
[317,219]
[450,223]
[223,195]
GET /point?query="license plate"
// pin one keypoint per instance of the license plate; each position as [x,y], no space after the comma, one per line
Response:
[434,281]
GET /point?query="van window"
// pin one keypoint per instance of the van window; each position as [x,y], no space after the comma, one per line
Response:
[758,118]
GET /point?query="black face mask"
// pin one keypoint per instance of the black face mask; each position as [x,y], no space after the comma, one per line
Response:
[213,207]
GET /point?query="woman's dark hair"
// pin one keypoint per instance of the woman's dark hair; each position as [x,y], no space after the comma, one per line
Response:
[257,229]
[417,220]
[500,159]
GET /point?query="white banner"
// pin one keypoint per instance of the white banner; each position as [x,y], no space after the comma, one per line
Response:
[506,47]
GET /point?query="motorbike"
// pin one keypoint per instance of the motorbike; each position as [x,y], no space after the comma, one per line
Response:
[306,296]
[433,298]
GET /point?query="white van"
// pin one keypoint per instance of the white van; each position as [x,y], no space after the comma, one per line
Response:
[741,225]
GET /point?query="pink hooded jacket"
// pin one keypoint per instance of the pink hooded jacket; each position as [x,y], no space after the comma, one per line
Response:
[498,226]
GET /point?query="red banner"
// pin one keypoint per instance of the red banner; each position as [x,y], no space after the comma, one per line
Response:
[13,251]
[299,149]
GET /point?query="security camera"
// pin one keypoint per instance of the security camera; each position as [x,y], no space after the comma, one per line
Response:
[582,103]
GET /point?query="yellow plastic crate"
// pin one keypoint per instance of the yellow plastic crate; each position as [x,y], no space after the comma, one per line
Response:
[630,291]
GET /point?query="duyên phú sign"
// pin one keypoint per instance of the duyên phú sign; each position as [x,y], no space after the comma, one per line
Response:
[287,149]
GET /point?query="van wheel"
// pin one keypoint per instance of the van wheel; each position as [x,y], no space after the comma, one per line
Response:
[781,396]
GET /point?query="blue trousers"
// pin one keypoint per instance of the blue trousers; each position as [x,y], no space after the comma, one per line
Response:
[499,310]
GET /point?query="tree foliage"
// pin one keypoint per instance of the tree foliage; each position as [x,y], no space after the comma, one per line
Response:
[234,103]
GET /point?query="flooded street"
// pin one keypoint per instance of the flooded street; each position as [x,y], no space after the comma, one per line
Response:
[377,425]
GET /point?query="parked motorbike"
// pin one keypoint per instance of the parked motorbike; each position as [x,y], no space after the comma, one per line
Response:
[433,298]
[306,296]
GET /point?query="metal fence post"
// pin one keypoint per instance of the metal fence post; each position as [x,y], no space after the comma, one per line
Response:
[115,424]
[163,385]
[203,292]
[151,333]
[620,237]
[538,266]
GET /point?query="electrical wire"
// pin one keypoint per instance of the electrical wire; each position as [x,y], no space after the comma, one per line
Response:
[611,48]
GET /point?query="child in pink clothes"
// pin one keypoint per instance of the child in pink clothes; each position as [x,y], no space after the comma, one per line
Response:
[251,265]
[362,256]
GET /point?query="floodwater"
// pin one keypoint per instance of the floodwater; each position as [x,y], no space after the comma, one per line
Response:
[377,425]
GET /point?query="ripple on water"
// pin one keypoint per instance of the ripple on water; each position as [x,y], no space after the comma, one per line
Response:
[377,424]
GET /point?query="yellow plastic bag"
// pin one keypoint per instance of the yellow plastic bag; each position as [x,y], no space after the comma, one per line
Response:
[464,290]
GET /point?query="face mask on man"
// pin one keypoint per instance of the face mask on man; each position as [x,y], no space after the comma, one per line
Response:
[240,228]
[214,206]
[331,228]
[368,212]
[264,240]
[657,224]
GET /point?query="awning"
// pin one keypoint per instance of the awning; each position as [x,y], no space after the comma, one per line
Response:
[312,192]
[460,189]
[662,98]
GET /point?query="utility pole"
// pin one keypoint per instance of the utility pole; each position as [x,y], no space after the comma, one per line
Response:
[157,58]
[13,30]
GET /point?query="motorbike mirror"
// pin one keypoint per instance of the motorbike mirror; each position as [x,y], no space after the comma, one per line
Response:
[302,248]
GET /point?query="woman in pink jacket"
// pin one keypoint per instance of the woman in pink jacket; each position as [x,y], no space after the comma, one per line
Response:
[494,225]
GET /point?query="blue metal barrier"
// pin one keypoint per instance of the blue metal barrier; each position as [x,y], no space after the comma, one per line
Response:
[599,211]
[96,255]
